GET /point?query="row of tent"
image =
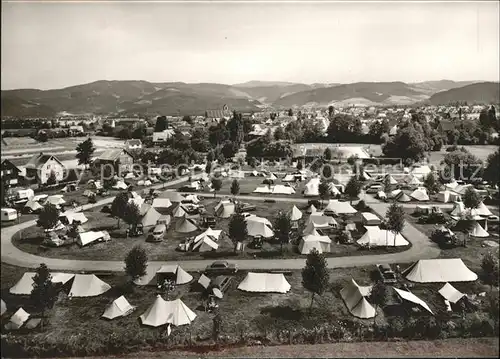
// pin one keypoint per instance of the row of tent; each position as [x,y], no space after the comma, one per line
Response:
[276,189]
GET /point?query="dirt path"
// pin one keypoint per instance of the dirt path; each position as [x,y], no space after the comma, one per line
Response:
[474,347]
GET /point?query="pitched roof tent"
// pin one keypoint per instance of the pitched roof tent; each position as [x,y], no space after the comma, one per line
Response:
[355,301]
[182,277]
[439,270]
[18,319]
[265,283]
[25,285]
[119,308]
[88,285]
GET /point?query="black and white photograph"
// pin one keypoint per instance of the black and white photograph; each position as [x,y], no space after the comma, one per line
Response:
[250,179]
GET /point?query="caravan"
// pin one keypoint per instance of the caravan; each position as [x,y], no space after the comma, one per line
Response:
[9,214]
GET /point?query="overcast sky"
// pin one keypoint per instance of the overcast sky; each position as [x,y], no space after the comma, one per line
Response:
[56,45]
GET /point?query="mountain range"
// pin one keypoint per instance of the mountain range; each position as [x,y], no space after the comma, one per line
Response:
[178,98]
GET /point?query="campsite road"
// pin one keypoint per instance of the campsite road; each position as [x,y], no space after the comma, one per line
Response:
[422,247]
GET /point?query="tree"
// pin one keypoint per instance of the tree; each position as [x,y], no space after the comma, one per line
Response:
[282,228]
[52,180]
[211,156]
[327,154]
[471,198]
[216,185]
[331,111]
[489,265]
[299,165]
[48,216]
[229,149]
[315,277]
[492,170]
[235,187]
[395,219]
[324,191]
[188,119]
[208,167]
[379,295]
[132,215]
[279,134]
[84,152]
[461,164]
[119,206]
[431,183]
[136,263]
[221,160]
[161,124]
[73,175]
[290,112]
[493,307]
[353,188]
[387,184]
[43,295]
[238,231]
[407,144]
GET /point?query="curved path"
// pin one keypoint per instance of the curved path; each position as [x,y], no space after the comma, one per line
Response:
[421,248]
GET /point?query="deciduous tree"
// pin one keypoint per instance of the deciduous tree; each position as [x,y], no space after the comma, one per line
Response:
[235,187]
[353,188]
[84,152]
[282,228]
[119,206]
[395,219]
[238,231]
[489,265]
[431,183]
[379,295]
[136,263]
[471,198]
[216,185]
[315,276]
[43,295]
[48,216]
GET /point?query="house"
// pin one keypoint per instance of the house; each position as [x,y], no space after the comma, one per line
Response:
[133,144]
[218,115]
[10,173]
[120,159]
[163,136]
[40,166]
[76,130]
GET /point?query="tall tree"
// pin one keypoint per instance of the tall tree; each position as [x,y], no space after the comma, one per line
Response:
[407,144]
[290,112]
[84,152]
[387,184]
[132,215]
[489,266]
[119,206]
[43,295]
[216,185]
[48,216]
[379,295]
[353,188]
[235,187]
[324,191]
[238,231]
[395,219]
[492,170]
[331,111]
[431,183]
[161,124]
[208,167]
[471,198]
[136,263]
[282,228]
[315,276]
[327,154]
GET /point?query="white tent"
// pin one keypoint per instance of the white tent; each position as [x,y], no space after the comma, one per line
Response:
[451,294]
[221,203]
[310,229]
[295,214]
[338,207]
[376,237]
[395,193]
[391,179]
[179,313]
[3,307]
[33,205]
[264,283]
[481,210]
[381,195]
[421,171]
[254,218]
[263,189]
[25,285]
[403,197]
[444,196]
[181,276]
[226,210]
[161,203]
[205,244]
[86,238]
[119,308]
[312,187]
[256,228]
[413,181]
[334,191]
[70,217]
[156,314]
[478,231]
[272,177]
[310,241]
[193,198]
[369,219]
[185,225]
[178,211]
[321,221]
[439,271]
[281,189]
[212,233]
[420,195]
[405,295]
[56,200]
[355,301]
[150,215]
[289,178]
[458,209]
[120,185]
[88,285]
[18,319]
[311,209]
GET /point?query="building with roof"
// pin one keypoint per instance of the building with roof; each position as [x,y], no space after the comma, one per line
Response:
[40,166]
[9,173]
[163,136]
[218,115]
[133,144]
[120,159]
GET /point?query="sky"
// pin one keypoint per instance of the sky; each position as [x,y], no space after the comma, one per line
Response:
[53,45]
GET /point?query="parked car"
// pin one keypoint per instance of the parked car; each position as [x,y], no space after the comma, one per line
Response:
[375,188]
[221,267]
[386,273]
[158,233]
[106,209]
[208,222]
[246,207]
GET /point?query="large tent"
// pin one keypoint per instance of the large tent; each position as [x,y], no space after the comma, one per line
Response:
[281,189]
[321,221]
[185,225]
[175,273]
[391,179]
[481,210]
[205,244]
[33,205]
[410,297]
[179,313]
[88,285]
[226,210]
[263,189]
[403,197]
[376,237]
[310,229]
[163,312]
[447,196]
[450,293]
[421,171]
[161,203]
[311,209]
[261,229]
[56,200]
[413,181]
[478,231]
[119,308]
[3,307]
[254,218]
[395,193]
[70,217]
[338,207]
[439,271]
[264,283]
[354,297]
[312,187]
[178,211]
[295,214]
[310,241]
[25,285]
[86,238]
[150,215]
[17,320]
[370,219]
[420,195]
[212,233]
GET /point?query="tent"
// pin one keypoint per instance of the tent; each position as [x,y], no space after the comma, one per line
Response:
[312,187]
[119,308]
[3,307]
[439,271]
[156,314]
[254,218]
[395,193]
[205,244]
[381,195]
[413,181]
[221,203]
[444,196]
[56,200]
[178,211]
[310,241]
[204,281]
[91,236]
[478,231]
[458,209]
[281,189]
[310,229]
[172,196]
[70,217]
[175,273]
[25,285]
[338,207]
[355,301]
[421,171]
[265,283]
[391,179]
[289,178]
[185,225]
[33,205]
[88,285]
[321,221]
[334,191]
[403,197]
[17,320]
[311,209]
[376,237]
[449,293]
[272,177]
[120,185]
[369,219]
[410,297]
[420,195]
[295,214]
[178,313]
[161,203]
[256,228]
[226,210]
[481,210]
[263,189]
[150,215]
[212,233]
[191,197]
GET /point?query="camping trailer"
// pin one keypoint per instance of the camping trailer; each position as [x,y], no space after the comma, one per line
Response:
[25,193]
[9,214]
